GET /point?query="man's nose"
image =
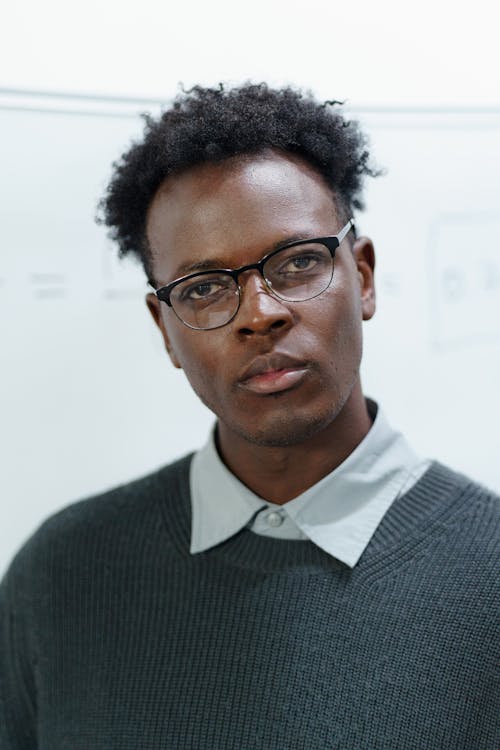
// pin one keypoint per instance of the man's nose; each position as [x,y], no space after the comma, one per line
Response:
[260,311]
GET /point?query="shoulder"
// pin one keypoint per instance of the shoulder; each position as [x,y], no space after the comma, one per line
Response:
[473,498]
[118,505]
[452,520]
[458,493]
[468,522]
[90,526]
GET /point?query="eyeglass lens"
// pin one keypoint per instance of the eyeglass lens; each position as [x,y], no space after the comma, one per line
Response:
[294,274]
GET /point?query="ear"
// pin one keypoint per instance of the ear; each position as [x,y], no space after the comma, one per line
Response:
[154,307]
[364,257]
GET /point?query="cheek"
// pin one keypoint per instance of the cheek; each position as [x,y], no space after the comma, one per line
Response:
[340,332]
[195,354]
[186,346]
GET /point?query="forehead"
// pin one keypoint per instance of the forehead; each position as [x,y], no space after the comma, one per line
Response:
[233,212]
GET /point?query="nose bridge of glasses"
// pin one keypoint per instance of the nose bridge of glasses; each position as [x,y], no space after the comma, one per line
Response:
[259,309]
[251,271]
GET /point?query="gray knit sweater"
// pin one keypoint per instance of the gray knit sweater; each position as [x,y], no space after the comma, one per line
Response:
[114,636]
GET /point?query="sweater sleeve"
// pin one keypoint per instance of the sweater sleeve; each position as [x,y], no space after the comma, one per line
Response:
[17,681]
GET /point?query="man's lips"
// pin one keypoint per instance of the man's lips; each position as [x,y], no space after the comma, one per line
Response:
[273,373]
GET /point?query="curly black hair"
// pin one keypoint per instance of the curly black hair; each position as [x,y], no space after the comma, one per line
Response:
[213,124]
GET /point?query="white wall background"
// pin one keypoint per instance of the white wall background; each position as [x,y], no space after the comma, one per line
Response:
[88,398]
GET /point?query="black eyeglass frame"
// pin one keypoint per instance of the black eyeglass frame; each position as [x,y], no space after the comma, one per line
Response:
[331,242]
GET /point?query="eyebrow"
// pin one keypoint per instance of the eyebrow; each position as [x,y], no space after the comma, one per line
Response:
[210,264]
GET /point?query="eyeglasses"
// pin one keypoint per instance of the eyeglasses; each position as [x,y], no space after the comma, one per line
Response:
[296,272]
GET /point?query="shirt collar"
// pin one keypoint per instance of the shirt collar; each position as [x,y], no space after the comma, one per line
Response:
[339,513]
[221,505]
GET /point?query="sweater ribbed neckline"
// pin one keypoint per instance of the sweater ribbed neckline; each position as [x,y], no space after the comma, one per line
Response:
[425,511]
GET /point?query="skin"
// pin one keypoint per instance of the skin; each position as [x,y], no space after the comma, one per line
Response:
[231,214]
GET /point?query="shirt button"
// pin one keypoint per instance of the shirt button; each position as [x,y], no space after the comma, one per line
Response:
[274,519]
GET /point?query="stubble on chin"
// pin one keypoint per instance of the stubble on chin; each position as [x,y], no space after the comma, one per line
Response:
[285,429]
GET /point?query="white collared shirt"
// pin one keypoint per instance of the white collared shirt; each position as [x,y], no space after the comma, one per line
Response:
[340,513]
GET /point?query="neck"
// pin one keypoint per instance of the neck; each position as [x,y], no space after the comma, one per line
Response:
[278,474]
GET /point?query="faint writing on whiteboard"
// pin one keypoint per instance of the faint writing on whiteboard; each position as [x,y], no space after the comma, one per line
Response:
[464,279]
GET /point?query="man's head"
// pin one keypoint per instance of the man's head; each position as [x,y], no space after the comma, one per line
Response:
[219,182]
[211,125]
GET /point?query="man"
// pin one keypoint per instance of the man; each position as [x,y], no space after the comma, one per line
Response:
[306,580]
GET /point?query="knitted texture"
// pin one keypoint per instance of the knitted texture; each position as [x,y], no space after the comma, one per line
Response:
[114,636]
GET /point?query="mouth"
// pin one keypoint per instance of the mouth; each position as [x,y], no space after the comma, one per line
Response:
[272,374]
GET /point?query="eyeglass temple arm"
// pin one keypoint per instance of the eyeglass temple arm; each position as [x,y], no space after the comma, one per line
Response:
[345,230]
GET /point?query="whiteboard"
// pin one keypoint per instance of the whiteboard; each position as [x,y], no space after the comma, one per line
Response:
[89,398]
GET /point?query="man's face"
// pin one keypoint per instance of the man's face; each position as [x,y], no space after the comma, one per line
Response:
[303,357]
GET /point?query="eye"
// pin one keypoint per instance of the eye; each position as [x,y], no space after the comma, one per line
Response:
[302,262]
[299,263]
[201,291]
[204,289]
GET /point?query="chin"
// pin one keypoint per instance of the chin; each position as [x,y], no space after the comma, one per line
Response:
[285,431]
